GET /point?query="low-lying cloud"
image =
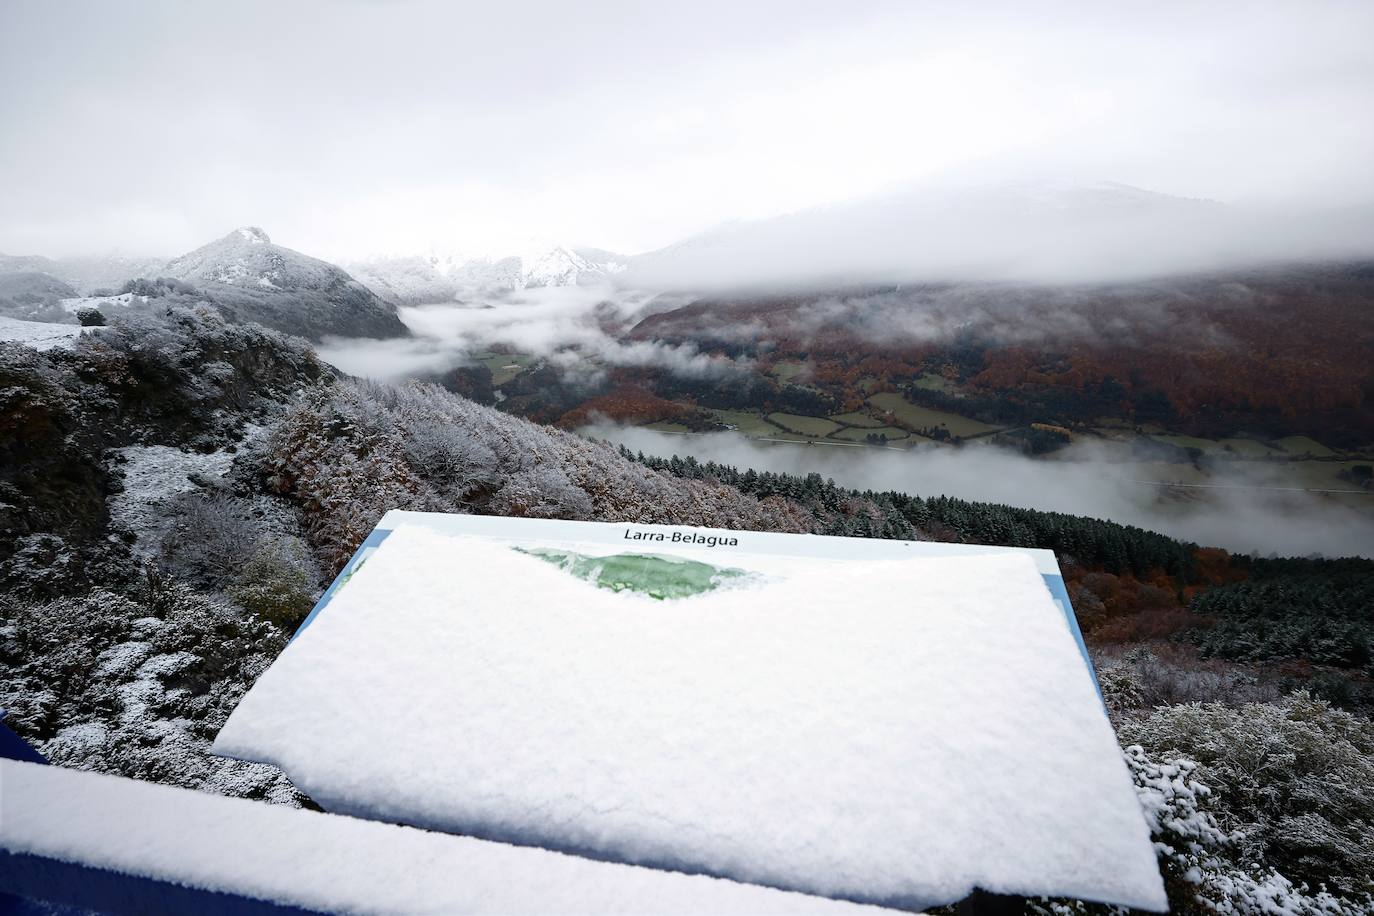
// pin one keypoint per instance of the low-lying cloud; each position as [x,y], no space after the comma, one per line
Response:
[1242,511]
[1020,233]
[572,327]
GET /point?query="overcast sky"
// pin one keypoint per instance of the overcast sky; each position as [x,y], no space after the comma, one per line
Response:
[352,128]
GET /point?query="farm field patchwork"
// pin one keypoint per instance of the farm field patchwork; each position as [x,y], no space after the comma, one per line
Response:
[854,434]
[807,426]
[914,415]
[856,419]
[504,366]
[745,422]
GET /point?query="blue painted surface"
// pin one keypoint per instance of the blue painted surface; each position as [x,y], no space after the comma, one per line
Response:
[13,747]
[36,884]
[365,550]
[1061,595]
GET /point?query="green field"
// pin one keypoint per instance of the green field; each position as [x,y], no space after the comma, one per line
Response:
[1246,448]
[856,419]
[749,424]
[936,383]
[1301,445]
[787,370]
[855,434]
[666,426]
[1207,446]
[910,414]
[806,426]
[504,366]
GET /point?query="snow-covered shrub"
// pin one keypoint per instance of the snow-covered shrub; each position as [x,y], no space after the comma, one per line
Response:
[450,458]
[90,317]
[209,535]
[342,468]
[543,492]
[1205,867]
[105,682]
[1294,782]
[348,453]
[1167,675]
[274,585]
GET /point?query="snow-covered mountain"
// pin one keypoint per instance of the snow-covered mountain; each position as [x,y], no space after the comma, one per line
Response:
[247,257]
[251,278]
[438,277]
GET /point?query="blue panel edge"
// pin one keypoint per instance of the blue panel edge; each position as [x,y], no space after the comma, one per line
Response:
[13,747]
[67,886]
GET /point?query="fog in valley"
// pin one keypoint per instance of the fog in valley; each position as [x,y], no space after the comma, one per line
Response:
[1251,512]
[1245,506]
[566,325]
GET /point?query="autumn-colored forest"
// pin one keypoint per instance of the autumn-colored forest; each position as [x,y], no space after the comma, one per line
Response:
[1270,352]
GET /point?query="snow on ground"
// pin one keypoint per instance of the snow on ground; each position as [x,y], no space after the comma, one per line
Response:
[123,300]
[40,335]
[891,732]
[332,864]
[153,474]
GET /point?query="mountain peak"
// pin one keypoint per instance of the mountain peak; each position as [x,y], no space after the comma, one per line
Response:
[251,234]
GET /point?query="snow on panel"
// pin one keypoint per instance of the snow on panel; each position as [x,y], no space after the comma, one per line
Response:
[334,864]
[895,731]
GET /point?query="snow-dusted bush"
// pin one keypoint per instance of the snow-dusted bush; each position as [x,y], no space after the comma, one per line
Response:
[1294,782]
[1208,868]
[109,683]
[90,317]
[208,536]
[346,454]
[342,468]
[1142,678]
[273,584]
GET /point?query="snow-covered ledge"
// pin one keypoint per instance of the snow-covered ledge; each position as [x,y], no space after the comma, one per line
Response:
[184,842]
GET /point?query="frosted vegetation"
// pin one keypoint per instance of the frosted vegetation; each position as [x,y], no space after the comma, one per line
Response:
[123,646]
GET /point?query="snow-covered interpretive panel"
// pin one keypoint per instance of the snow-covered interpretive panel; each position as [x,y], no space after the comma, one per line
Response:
[875,721]
[325,863]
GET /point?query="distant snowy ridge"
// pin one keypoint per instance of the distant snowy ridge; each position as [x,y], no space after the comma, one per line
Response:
[437,277]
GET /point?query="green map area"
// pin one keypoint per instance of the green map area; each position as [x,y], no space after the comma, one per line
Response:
[649,574]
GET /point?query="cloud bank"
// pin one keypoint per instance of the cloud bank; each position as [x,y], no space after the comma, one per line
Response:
[1018,233]
[1239,515]
[571,327]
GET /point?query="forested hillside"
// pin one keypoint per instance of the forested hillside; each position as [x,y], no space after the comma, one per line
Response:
[1278,351]
[177,491]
